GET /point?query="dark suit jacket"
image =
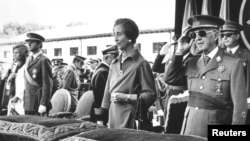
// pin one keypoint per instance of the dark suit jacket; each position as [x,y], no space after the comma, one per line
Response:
[158,66]
[98,83]
[41,73]
[244,55]
[222,79]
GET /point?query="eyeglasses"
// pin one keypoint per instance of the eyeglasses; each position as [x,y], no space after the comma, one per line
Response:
[226,34]
[201,33]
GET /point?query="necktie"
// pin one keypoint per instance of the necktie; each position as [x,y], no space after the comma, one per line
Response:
[31,59]
[206,59]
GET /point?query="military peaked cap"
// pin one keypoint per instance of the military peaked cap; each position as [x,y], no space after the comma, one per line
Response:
[93,60]
[34,37]
[205,21]
[111,50]
[57,61]
[231,26]
[80,58]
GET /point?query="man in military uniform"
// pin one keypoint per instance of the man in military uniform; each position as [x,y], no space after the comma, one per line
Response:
[215,80]
[98,82]
[38,78]
[230,35]
[93,65]
[70,80]
[57,73]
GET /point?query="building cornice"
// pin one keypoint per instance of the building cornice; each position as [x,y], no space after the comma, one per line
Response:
[148,31]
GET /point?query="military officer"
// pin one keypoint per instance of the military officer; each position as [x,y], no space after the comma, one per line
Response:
[230,35]
[57,73]
[70,80]
[38,78]
[98,82]
[215,80]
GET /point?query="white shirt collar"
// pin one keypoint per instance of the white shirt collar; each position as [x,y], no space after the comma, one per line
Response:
[234,49]
[35,55]
[105,63]
[213,52]
[73,66]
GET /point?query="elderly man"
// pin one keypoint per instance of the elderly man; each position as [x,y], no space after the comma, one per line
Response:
[99,79]
[230,36]
[215,80]
[38,78]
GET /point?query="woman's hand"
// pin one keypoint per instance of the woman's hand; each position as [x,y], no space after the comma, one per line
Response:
[184,44]
[119,97]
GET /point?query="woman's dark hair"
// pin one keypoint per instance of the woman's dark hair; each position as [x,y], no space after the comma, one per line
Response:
[23,49]
[130,28]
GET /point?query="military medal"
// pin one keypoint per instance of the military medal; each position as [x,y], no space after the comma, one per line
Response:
[218,88]
[218,59]
[34,73]
[221,68]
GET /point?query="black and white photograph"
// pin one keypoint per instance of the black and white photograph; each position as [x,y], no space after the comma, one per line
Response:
[124,70]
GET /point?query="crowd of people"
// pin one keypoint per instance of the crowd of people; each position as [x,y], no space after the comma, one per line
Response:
[207,61]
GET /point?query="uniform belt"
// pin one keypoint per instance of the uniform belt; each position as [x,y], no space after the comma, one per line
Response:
[205,101]
[177,87]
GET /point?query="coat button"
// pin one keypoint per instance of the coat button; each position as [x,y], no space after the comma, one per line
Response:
[196,108]
[201,87]
[203,77]
[219,79]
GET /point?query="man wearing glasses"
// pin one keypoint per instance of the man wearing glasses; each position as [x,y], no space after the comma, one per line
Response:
[230,36]
[215,80]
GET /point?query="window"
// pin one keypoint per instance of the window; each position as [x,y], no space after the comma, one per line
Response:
[44,51]
[91,50]
[157,46]
[58,52]
[6,54]
[73,51]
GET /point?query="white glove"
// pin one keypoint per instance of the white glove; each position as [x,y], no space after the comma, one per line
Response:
[165,49]
[100,122]
[42,109]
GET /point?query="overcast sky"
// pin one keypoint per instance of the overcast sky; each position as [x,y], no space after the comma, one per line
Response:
[148,14]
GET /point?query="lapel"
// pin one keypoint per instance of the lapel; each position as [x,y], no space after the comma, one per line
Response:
[239,52]
[213,64]
[34,61]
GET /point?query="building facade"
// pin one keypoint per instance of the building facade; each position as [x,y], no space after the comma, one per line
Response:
[90,46]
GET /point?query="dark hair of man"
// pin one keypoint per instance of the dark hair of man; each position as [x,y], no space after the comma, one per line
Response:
[41,43]
[130,28]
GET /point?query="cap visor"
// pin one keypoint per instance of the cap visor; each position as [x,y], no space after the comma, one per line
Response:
[202,27]
[29,40]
